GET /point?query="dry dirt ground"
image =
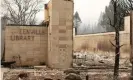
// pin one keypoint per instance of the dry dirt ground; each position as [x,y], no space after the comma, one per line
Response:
[2,71]
[42,74]
[84,63]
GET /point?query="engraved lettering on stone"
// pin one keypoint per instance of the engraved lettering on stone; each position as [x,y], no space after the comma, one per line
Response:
[17,38]
[32,31]
[26,34]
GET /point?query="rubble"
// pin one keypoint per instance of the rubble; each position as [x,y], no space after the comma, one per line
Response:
[71,70]
[73,76]
[34,74]
[56,74]
[84,59]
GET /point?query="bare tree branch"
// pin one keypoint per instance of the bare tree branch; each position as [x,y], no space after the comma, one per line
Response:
[121,45]
[112,44]
[22,12]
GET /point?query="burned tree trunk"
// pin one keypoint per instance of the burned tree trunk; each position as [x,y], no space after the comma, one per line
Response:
[117,56]
[131,42]
[117,44]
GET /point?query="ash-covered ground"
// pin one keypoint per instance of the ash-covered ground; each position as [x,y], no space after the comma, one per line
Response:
[85,66]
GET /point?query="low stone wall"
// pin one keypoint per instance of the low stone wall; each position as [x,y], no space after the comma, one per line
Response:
[27,45]
[101,43]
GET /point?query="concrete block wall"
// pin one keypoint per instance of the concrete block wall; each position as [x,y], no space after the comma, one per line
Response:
[27,45]
[60,34]
[100,42]
[54,46]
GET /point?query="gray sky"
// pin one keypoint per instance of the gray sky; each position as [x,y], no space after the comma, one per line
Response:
[89,10]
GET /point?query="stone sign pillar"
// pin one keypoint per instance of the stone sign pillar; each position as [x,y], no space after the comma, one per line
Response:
[60,34]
